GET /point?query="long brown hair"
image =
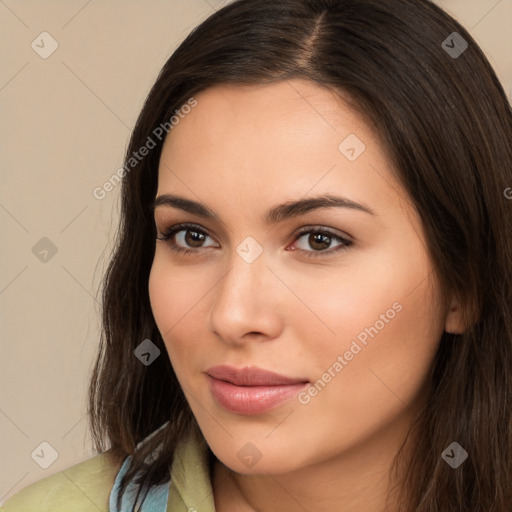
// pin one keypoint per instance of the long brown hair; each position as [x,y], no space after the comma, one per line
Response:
[446,124]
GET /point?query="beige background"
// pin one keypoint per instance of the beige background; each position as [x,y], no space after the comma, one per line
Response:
[65,125]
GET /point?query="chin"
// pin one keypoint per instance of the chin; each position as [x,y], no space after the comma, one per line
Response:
[260,456]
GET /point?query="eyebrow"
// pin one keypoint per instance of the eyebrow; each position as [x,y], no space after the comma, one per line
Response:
[274,215]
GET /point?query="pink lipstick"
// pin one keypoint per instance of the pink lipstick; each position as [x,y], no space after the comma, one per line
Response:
[251,390]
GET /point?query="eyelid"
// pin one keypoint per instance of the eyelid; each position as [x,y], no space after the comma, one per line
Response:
[346,240]
[167,233]
[323,229]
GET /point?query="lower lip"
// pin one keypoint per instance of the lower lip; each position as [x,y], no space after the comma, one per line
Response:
[252,399]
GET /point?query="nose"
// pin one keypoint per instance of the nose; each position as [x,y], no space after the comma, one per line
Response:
[246,304]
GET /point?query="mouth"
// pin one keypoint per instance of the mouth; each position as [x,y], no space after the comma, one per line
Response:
[251,390]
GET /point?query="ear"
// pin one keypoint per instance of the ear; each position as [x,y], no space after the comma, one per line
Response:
[454,323]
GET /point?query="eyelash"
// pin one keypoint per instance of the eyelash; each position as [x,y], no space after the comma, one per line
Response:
[168,234]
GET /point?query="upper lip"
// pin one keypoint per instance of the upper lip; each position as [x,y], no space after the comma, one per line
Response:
[251,376]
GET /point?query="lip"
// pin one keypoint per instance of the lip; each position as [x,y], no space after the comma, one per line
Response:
[251,390]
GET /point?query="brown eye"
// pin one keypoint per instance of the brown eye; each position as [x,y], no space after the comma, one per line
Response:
[194,238]
[317,242]
[185,238]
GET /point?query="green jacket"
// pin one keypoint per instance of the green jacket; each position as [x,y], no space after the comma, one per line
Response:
[86,486]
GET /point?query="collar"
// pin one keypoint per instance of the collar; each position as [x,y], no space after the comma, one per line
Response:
[190,487]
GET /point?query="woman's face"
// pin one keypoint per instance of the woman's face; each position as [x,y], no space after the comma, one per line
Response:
[340,302]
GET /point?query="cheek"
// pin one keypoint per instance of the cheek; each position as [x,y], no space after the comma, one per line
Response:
[162,296]
[177,297]
[377,364]
[174,292]
[386,322]
[383,294]
[369,297]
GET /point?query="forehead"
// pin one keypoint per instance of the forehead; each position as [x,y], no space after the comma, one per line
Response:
[267,129]
[245,153]
[244,148]
[292,107]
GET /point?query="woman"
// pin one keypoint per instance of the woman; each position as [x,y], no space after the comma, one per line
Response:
[309,305]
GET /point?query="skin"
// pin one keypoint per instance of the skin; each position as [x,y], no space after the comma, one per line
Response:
[240,151]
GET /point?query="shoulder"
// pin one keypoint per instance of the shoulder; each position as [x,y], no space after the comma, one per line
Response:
[191,476]
[82,487]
